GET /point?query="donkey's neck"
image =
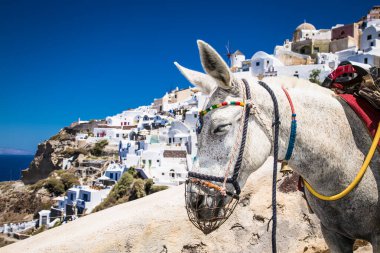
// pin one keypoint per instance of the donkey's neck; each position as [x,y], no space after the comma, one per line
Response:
[326,130]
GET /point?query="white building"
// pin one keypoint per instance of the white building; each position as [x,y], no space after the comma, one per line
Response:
[129,117]
[111,133]
[72,195]
[166,168]
[44,218]
[81,136]
[191,118]
[89,198]
[329,59]
[304,71]
[369,53]
[114,171]
[307,31]
[370,38]
[236,59]
[263,62]
[178,134]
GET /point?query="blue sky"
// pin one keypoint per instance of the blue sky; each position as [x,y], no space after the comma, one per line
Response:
[60,60]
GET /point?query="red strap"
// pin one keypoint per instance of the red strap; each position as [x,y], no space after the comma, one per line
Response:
[289,99]
[337,86]
[345,69]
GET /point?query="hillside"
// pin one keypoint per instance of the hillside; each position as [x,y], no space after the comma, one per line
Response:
[159,223]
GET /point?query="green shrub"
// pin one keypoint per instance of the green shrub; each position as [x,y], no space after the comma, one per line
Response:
[132,171]
[314,76]
[68,152]
[148,185]
[69,180]
[55,186]
[39,230]
[38,185]
[123,187]
[97,150]
[119,194]
[138,189]
[129,188]
[157,188]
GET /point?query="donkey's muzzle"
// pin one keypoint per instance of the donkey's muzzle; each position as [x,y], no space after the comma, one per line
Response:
[207,205]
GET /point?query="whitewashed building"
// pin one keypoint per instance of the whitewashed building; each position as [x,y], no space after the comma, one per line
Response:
[89,198]
[114,171]
[110,133]
[370,38]
[236,59]
[264,63]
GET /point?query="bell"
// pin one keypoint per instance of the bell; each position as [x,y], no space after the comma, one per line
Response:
[285,169]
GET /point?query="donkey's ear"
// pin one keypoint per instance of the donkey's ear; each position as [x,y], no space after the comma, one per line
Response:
[214,65]
[204,82]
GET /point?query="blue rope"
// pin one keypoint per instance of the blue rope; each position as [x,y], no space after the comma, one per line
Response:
[292,139]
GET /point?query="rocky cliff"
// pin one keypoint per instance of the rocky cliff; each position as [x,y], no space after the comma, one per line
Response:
[50,153]
[158,224]
[47,158]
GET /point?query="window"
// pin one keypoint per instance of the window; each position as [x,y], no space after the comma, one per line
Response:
[117,135]
[158,161]
[150,163]
[316,49]
[111,175]
[195,115]
[72,197]
[116,176]
[143,161]
[258,63]
[366,60]
[268,62]
[372,44]
[163,173]
[85,197]
[369,37]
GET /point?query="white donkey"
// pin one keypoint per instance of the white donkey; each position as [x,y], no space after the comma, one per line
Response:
[330,147]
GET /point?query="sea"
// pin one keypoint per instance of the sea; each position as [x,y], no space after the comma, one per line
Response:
[11,166]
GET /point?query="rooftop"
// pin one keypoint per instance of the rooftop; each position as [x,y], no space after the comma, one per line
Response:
[174,153]
[305,26]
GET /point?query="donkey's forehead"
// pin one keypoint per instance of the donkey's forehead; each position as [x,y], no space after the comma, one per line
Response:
[221,95]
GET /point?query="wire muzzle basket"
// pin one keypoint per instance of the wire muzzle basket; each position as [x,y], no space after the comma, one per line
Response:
[207,205]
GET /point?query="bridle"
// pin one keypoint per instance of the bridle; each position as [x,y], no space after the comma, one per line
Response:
[205,182]
[247,105]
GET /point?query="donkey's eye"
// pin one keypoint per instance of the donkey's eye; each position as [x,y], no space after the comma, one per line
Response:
[222,129]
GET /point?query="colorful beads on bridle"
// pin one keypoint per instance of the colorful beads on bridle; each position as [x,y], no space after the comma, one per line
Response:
[204,112]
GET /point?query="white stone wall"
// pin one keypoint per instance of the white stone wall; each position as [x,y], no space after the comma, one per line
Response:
[363,58]
[303,71]
[370,38]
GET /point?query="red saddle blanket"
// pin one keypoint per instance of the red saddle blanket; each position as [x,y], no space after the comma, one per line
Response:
[369,115]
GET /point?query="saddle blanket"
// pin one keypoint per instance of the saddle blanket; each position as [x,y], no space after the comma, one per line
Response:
[369,115]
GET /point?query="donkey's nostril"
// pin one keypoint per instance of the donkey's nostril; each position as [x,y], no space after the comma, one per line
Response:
[198,202]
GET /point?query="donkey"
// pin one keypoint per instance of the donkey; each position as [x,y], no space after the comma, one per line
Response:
[330,146]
